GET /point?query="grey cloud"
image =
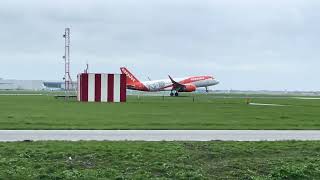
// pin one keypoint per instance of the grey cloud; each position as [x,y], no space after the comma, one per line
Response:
[243,43]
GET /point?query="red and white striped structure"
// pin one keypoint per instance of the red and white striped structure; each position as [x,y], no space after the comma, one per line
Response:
[94,87]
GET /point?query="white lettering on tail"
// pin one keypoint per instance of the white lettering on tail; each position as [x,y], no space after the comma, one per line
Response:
[129,75]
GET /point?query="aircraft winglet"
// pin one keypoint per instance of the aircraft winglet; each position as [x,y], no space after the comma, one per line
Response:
[173,81]
[175,84]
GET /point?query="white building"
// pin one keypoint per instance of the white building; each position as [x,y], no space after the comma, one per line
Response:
[21,84]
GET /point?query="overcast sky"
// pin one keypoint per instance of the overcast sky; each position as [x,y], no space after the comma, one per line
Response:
[247,44]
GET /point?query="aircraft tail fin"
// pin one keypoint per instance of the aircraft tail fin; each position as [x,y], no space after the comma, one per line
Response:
[131,79]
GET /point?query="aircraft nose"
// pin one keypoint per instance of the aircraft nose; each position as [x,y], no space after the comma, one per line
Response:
[214,81]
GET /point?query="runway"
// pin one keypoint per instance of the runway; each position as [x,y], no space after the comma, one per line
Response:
[158,135]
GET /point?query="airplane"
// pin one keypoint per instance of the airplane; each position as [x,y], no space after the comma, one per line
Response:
[188,84]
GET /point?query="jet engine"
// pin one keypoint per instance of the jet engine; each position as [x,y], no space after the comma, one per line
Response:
[188,88]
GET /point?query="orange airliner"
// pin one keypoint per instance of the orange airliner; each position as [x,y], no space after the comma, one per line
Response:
[188,84]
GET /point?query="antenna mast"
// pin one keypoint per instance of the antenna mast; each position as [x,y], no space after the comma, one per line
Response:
[66,57]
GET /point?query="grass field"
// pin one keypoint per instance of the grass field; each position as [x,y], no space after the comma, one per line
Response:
[147,112]
[162,160]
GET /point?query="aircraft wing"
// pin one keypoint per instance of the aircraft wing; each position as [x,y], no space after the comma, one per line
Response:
[175,85]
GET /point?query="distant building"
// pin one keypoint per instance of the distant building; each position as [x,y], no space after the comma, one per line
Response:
[21,85]
[55,85]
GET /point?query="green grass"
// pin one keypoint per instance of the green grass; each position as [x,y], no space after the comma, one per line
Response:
[206,112]
[161,160]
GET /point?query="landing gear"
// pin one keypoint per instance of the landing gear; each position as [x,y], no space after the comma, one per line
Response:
[174,94]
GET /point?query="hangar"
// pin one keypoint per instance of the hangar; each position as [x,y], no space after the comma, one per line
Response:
[12,84]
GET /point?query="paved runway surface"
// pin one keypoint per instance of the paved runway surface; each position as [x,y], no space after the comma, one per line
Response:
[159,135]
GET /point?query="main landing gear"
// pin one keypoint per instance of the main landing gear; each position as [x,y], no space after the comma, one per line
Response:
[174,94]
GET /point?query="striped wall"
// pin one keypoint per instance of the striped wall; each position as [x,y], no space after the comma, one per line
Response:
[101,87]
